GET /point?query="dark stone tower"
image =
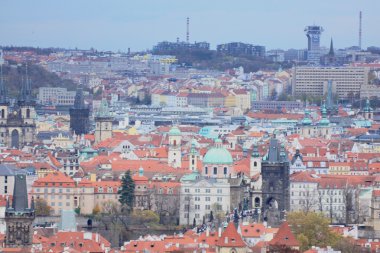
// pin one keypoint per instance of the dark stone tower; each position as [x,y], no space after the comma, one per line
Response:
[275,188]
[79,114]
[17,124]
[19,217]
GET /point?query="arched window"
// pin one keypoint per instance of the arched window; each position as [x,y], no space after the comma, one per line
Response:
[2,113]
[206,170]
[28,113]
[215,170]
[225,170]
[175,142]
[255,163]
[257,202]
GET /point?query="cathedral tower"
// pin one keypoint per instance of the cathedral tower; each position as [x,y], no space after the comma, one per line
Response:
[255,162]
[193,157]
[275,187]
[17,124]
[103,123]
[4,104]
[19,216]
[174,156]
[79,114]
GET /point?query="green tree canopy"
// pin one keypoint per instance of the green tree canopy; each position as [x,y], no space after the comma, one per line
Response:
[145,216]
[312,229]
[42,208]
[127,191]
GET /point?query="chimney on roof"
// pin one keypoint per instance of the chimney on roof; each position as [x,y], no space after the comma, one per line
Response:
[219,232]
[207,232]
[226,239]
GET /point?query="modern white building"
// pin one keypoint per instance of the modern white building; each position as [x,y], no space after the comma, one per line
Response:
[314,80]
[55,96]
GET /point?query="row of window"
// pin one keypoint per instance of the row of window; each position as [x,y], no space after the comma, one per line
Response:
[215,170]
[207,190]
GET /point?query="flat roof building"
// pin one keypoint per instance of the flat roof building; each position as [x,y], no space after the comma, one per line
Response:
[313,81]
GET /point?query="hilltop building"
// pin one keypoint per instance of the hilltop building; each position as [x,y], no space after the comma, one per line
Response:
[313,34]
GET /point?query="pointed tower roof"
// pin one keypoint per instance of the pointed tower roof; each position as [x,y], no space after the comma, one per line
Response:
[79,99]
[367,107]
[193,148]
[231,238]
[331,52]
[3,89]
[20,195]
[104,111]
[26,97]
[324,121]
[255,151]
[307,120]
[284,237]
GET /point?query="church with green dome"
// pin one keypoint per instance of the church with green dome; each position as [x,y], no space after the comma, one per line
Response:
[217,162]
[321,129]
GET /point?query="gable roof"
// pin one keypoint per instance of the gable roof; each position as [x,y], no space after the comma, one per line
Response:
[231,238]
[284,237]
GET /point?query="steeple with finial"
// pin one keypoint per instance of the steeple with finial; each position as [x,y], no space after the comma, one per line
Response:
[79,98]
[104,111]
[26,90]
[3,90]
[324,121]
[331,52]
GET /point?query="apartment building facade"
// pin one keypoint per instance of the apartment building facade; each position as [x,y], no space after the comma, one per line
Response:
[314,80]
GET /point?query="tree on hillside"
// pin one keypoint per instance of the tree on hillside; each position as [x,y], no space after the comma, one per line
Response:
[42,208]
[312,229]
[127,192]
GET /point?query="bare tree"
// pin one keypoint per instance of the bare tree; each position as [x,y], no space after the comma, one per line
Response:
[167,205]
[310,201]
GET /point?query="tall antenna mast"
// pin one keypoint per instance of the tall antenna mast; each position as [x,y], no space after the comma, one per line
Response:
[360,29]
[187,30]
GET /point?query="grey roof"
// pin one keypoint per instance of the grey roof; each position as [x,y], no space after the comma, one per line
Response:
[276,152]
[7,170]
[20,194]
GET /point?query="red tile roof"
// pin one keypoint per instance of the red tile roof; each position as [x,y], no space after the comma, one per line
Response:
[284,237]
[55,179]
[231,238]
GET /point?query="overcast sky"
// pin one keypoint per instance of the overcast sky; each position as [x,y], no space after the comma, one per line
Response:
[139,24]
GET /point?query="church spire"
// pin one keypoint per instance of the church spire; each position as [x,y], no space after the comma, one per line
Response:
[104,111]
[26,90]
[79,99]
[3,90]
[331,52]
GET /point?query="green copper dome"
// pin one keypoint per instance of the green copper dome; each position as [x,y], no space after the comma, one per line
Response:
[324,121]
[306,120]
[104,111]
[174,131]
[218,155]
[367,107]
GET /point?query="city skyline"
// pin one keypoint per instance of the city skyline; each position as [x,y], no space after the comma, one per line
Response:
[139,25]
